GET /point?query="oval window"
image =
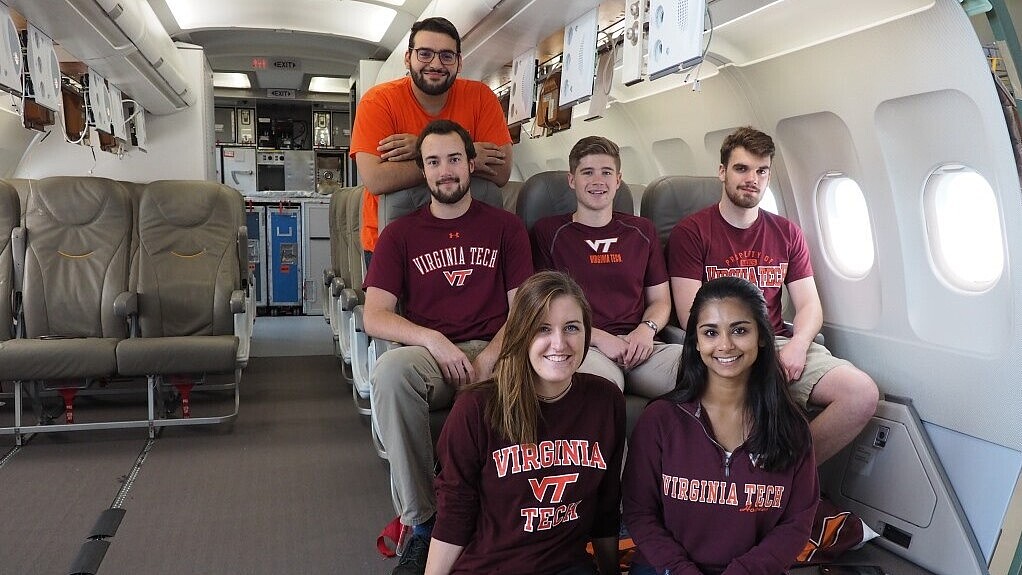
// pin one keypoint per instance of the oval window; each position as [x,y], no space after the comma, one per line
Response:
[964,225]
[847,232]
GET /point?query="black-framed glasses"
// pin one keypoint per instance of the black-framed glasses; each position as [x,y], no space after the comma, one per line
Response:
[426,55]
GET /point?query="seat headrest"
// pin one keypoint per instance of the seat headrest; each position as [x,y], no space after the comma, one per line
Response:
[668,199]
[10,211]
[548,194]
[71,200]
[185,203]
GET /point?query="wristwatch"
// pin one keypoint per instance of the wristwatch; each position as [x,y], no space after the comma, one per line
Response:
[652,325]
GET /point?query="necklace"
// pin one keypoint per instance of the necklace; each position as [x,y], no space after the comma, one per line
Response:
[556,396]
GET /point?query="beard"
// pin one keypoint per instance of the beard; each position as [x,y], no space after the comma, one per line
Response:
[432,89]
[741,198]
[449,197]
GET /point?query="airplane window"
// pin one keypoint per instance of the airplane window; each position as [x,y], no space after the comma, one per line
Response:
[769,201]
[847,232]
[964,225]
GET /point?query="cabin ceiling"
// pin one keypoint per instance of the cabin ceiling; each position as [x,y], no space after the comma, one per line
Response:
[313,33]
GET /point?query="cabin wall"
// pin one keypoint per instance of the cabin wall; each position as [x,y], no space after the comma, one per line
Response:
[180,145]
[886,106]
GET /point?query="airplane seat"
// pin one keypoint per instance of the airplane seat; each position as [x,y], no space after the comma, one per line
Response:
[72,265]
[548,194]
[191,300]
[24,187]
[668,199]
[10,217]
[332,277]
[364,349]
[346,289]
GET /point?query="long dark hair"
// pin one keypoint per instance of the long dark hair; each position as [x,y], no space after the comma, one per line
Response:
[780,434]
[513,407]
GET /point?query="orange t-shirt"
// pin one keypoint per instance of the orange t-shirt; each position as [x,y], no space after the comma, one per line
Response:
[391,108]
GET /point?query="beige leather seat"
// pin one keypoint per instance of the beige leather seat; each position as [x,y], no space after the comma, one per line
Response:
[191,301]
[10,215]
[668,199]
[75,261]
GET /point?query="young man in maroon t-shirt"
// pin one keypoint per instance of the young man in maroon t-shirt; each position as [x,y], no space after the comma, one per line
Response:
[454,265]
[735,237]
[616,258]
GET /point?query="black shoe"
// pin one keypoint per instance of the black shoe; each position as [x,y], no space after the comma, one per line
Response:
[413,560]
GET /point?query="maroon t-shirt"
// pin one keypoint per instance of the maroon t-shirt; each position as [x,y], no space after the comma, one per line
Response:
[770,253]
[453,275]
[531,508]
[614,264]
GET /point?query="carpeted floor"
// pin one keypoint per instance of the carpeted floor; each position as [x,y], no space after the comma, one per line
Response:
[292,486]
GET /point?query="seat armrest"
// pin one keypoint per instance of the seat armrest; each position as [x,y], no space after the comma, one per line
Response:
[126,304]
[383,346]
[336,286]
[19,239]
[237,301]
[672,334]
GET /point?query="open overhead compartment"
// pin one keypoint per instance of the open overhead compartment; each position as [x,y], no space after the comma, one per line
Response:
[121,39]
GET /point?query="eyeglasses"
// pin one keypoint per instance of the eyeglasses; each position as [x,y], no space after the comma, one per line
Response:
[426,55]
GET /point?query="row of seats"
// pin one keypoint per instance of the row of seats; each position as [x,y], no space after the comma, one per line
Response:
[665,201]
[112,279]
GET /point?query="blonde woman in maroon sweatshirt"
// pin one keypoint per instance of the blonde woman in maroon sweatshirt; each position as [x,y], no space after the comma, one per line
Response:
[720,477]
[530,460]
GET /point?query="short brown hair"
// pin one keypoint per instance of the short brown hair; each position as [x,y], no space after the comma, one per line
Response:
[591,145]
[444,127]
[751,139]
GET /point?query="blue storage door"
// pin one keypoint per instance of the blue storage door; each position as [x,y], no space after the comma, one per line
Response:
[285,257]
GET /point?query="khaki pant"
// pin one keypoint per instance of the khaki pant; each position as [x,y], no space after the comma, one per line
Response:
[406,385]
[651,378]
[818,362]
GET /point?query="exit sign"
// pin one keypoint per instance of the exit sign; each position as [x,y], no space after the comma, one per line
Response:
[259,63]
[282,93]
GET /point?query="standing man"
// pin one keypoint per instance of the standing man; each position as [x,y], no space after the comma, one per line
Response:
[454,265]
[736,238]
[617,259]
[390,115]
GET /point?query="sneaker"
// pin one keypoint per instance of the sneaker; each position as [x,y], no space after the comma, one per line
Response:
[413,559]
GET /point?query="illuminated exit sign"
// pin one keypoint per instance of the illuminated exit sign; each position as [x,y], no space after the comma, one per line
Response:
[259,64]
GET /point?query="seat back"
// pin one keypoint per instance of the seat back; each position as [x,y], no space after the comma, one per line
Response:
[10,216]
[394,205]
[354,271]
[24,187]
[77,257]
[188,261]
[668,199]
[338,223]
[548,194]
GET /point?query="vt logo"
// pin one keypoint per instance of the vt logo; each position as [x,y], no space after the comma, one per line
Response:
[457,277]
[558,483]
[601,246]
[829,534]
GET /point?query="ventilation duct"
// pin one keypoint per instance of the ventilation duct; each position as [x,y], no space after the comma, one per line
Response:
[121,39]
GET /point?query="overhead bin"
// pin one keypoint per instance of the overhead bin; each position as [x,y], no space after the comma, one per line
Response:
[121,39]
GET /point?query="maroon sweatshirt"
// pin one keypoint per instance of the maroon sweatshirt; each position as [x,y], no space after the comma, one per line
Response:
[695,510]
[531,508]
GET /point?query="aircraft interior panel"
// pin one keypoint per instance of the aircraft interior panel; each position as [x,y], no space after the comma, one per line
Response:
[984,475]
[670,153]
[816,145]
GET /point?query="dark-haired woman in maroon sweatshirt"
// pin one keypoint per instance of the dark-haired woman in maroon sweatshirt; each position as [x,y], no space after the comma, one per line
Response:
[531,460]
[720,477]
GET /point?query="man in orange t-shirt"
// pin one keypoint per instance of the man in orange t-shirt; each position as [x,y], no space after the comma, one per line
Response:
[390,115]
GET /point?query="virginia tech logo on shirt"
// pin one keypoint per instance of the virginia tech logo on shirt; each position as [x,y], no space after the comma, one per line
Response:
[757,497]
[753,266]
[602,249]
[550,488]
[456,257]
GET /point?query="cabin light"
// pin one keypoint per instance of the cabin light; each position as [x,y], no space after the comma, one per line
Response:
[231,80]
[330,85]
[351,18]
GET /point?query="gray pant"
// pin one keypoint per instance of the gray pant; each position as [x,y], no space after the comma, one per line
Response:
[651,378]
[406,385]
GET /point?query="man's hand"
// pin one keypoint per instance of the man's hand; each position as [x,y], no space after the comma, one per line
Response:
[487,156]
[397,147]
[793,359]
[640,346]
[454,364]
